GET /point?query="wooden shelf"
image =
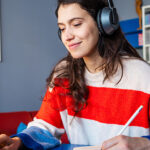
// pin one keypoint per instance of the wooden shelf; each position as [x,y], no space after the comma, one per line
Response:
[147,26]
[147,45]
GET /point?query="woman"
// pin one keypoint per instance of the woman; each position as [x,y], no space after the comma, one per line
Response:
[94,90]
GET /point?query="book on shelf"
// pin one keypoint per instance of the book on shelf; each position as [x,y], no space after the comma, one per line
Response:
[140,39]
[147,36]
[147,18]
[148,53]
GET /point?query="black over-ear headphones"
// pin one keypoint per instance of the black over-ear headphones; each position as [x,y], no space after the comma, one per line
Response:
[107,19]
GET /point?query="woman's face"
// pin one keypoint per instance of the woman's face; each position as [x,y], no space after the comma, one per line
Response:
[79,32]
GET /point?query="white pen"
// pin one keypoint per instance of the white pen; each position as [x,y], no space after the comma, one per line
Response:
[130,120]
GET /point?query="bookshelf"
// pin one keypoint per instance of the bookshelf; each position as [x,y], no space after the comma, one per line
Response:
[146,32]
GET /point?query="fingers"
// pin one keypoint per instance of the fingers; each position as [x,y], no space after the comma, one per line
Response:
[109,143]
[4,140]
[116,143]
[2,145]
[5,148]
[7,143]
[9,147]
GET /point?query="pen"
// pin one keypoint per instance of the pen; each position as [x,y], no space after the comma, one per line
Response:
[130,120]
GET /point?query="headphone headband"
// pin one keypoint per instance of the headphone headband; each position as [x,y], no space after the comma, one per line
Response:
[110,4]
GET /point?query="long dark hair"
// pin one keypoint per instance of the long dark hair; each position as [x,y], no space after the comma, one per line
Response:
[111,48]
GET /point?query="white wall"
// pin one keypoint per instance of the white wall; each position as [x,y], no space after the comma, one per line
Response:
[126,8]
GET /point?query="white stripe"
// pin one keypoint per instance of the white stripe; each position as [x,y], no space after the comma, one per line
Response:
[90,132]
[50,89]
[46,126]
[135,77]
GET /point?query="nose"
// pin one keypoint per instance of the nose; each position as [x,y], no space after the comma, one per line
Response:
[68,35]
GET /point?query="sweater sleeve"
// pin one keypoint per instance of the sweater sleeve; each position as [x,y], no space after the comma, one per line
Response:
[45,130]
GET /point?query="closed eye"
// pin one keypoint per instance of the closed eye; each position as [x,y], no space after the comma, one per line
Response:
[61,29]
[77,24]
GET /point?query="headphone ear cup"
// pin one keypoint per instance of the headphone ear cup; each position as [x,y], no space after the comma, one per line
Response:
[105,23]
[99,23]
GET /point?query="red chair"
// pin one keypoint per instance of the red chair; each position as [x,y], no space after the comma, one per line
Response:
[9,122]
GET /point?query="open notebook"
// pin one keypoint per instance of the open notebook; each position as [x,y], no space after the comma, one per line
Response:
[88,148]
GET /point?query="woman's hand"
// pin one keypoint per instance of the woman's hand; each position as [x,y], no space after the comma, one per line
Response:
[7,143]
[122,142]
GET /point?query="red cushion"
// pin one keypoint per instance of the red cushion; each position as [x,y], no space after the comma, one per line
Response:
[9,121]
[33,113]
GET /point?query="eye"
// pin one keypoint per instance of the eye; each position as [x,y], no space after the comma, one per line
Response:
[61,29]
[77,24]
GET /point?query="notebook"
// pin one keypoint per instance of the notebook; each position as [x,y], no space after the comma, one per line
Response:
[88,148]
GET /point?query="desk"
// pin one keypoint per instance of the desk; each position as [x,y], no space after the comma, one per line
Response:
[66,147]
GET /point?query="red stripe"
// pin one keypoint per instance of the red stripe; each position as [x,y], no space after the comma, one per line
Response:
[106,105]
[116,106]
[48,112]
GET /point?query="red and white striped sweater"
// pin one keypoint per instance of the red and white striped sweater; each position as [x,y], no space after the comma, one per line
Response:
[110,105]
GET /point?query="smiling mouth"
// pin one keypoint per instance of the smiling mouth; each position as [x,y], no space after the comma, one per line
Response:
[75,45]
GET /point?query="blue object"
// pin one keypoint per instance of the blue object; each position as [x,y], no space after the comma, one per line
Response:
[133,39]
[36,138]
[129,28]
[67,147]
[21,127]
[148,137]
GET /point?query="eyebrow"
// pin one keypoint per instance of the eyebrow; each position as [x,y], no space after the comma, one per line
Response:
[76,18]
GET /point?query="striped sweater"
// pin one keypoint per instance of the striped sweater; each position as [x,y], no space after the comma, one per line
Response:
[110,105]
